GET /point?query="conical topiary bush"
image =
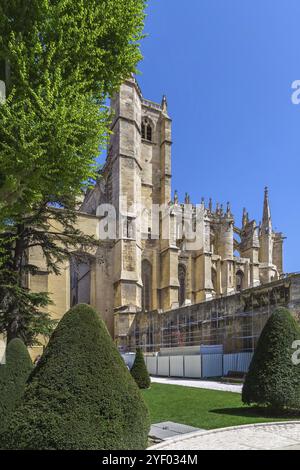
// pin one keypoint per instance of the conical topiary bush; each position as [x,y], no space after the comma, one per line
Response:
[80,395]
[139,370]
[273,379]
[13,376]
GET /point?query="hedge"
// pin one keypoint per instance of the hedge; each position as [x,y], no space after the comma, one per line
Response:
[80,395]
[139,371]
[13,376]
[273,379]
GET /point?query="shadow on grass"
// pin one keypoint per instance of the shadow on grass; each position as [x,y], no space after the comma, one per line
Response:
[257,412]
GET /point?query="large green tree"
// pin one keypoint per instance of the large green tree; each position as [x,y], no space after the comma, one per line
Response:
[60,60]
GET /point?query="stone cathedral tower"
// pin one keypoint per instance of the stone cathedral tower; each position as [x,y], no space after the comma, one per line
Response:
[152,272]
[138,268]
[136,176]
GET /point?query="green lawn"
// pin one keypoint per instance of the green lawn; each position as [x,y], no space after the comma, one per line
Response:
[208,409]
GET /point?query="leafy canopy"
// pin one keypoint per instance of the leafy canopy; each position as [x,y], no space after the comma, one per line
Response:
[60,60]
[63,58]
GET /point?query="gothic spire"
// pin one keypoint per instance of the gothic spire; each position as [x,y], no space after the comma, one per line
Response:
[228,209]
[187,199]
[266,220]
[245,219]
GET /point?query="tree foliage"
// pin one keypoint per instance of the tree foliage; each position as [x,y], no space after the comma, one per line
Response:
[24,313]
[139,370]
[60,61]
[13,376]
[80,395]
[273,379]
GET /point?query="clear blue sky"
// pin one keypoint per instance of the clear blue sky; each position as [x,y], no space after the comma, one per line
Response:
[226,67]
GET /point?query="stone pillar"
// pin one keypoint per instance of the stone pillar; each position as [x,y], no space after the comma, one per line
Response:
[165,148]
[225,250]
[169,278]
[203,265]
[278,251]
[169,284]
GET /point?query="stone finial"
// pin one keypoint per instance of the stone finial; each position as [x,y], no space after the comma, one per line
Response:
[221,209]
[202,201]
[210,205]
[187,199]
[228,209]
[176,197]
[164,104]
[217,208]
[245,218]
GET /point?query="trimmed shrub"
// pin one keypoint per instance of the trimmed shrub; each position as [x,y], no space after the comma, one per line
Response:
[13,376]
[139,370]
[273,380]
[80,395]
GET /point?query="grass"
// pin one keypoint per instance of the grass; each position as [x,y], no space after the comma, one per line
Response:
[207,409]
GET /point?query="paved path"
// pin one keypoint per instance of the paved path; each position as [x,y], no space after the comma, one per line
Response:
[210,385]
[267,436]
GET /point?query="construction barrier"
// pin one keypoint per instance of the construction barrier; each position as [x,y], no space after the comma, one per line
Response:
[163,366]
[239,362]
[212,365]
[176,366]
[151,363]
[198,366]
[192,367]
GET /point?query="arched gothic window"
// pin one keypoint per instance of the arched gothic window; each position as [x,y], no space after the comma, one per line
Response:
[239,277]
[214,279]
[182,284]
[147,285]
[80,280]
[146,130]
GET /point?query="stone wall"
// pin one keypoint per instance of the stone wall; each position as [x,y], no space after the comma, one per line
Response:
[235,320]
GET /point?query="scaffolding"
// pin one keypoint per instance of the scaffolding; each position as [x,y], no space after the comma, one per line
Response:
[234,321]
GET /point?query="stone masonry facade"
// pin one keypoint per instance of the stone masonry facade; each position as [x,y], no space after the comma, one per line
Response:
[140,271]
[234,321]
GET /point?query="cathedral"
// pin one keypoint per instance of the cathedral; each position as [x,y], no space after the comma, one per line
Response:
[139,269]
